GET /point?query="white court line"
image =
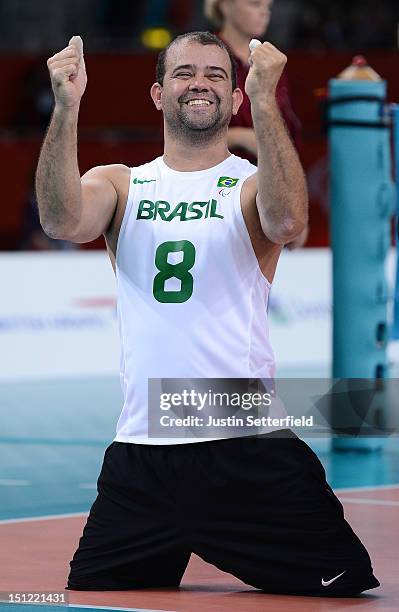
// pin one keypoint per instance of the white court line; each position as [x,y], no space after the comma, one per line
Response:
[33,519]
[5,482]
[369,502]
[90,607]
[108,608]
[373,488]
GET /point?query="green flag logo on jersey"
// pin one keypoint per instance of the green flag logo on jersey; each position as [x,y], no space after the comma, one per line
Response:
[226,181]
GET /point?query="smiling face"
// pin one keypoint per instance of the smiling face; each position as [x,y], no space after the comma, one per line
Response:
[196,96]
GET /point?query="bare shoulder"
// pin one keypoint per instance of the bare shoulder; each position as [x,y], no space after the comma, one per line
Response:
[117,178]
[117,174]
[250,188]
[249,192]
[266,251]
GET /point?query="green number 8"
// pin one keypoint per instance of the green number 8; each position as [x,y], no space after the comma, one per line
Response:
[179,270]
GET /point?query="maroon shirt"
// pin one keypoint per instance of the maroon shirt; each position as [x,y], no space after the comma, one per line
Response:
[244,117]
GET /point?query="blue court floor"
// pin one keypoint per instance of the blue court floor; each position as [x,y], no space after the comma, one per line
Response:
[53,436]
[52,440]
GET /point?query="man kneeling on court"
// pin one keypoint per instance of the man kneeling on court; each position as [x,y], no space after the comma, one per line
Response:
[194,237]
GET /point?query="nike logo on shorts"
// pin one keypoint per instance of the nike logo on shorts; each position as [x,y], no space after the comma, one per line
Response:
[326,583]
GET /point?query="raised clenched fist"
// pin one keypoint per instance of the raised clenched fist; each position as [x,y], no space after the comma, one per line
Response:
[68,74]
[267,64]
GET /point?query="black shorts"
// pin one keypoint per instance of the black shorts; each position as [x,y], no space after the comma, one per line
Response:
[258,508]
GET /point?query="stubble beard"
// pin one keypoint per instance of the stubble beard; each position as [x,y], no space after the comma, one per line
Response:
[193,129]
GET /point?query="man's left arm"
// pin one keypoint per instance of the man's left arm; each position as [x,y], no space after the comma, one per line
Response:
[282,199]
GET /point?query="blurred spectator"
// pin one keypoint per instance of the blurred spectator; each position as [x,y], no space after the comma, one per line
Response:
[238,22]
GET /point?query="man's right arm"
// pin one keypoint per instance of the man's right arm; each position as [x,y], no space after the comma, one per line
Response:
[71,208]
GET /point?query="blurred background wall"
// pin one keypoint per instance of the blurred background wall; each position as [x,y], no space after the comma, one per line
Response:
[118,122]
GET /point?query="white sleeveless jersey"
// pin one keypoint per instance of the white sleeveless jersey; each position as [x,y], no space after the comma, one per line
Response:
[192,300]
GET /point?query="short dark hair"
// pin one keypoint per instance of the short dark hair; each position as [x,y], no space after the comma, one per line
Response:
[203,38]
